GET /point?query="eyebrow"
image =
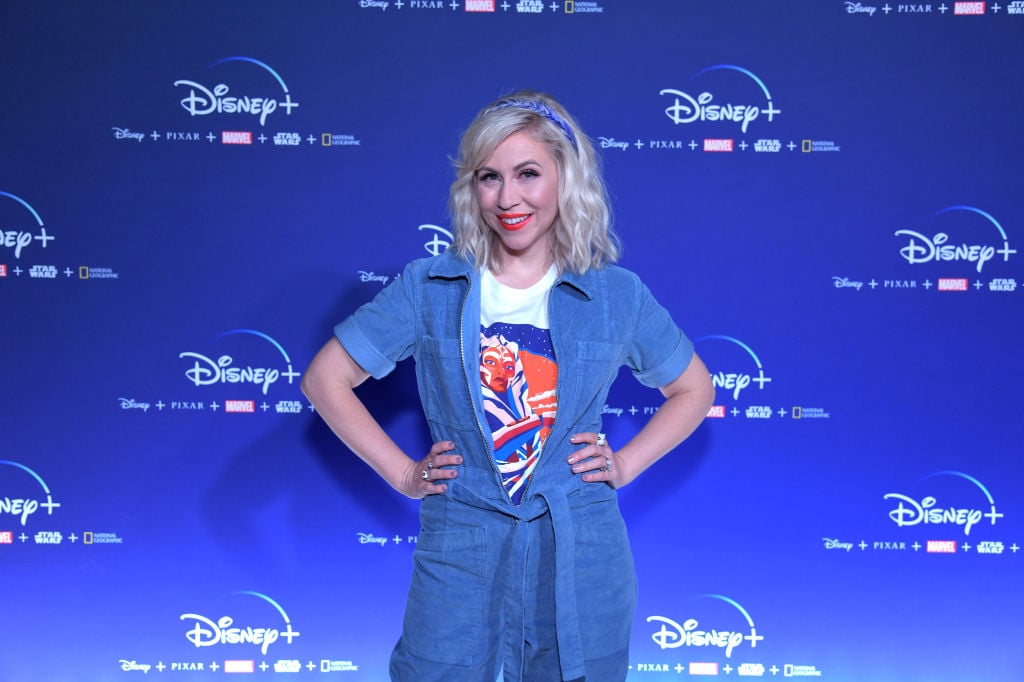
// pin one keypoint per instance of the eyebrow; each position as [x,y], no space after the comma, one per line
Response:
[518,166]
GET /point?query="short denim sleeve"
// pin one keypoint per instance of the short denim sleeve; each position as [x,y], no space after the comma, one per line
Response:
[381,333]
[659,351]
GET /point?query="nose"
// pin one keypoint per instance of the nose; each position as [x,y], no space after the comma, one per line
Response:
[506,199]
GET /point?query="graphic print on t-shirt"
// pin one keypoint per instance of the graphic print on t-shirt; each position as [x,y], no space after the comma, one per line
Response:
[518,375]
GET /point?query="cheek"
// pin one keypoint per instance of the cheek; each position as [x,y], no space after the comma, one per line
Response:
[544,196]
[552,195]
[485,197]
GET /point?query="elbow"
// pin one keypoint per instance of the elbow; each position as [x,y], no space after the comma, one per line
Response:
[707,388]
[308,387]
[704,399]
[709,394]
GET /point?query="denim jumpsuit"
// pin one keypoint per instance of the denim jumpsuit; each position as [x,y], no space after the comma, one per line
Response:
[545,590]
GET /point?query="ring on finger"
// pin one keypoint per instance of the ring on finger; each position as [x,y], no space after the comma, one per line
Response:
[430,464]
[607,464]
[425,475]
[602,439]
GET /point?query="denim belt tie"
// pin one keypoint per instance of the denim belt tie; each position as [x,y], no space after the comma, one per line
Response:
[539,504]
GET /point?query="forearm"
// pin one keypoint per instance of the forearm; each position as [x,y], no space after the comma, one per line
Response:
[330,384]
[352,423]
[673,423]
[687,402]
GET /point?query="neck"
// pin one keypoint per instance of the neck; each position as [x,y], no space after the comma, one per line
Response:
[521,272]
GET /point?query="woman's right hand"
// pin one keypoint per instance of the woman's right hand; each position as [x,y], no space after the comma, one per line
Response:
[427,476]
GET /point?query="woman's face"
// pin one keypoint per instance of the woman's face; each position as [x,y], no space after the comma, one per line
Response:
[497,367]
[517,189]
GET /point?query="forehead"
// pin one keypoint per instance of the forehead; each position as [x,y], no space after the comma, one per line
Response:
[497,351]
[519,147]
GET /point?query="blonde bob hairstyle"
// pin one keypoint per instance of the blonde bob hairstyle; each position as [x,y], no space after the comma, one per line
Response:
[584,237]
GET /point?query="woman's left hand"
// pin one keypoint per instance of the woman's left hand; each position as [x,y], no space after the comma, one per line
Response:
[595,460]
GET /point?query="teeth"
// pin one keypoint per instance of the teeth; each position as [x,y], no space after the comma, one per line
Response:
[514,221]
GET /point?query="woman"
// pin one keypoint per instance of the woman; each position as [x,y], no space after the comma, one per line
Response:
[522,565]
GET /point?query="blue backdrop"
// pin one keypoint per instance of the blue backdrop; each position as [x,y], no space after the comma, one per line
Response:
[825,194]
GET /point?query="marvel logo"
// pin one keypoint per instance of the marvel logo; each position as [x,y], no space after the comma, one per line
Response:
[239,406]
[717,145]
[702,668]
[942,546]
[6,537]
[239,666]
[968,8]
[235,137]
[952,284]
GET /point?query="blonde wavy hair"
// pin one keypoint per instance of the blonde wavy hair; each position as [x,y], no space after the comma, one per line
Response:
[584,237]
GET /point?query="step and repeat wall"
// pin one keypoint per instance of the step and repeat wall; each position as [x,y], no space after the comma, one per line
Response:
[825,194]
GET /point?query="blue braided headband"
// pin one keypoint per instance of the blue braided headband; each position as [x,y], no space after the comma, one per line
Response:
[542,109]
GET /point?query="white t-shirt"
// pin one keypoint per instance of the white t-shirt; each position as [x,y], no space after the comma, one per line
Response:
[518,375]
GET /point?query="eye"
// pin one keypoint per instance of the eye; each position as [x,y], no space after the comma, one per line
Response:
[487,176]
[529,173]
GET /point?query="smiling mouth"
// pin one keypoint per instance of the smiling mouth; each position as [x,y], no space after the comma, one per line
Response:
[514,221]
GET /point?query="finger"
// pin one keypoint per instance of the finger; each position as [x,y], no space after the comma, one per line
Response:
[436,450]
[601,468]
[439,458]
[445,460]
[594,446]
[442,474]
[431,470]
[441,446]
[586,437]
[434,482]
[432,476]
[440,466]
[590,464]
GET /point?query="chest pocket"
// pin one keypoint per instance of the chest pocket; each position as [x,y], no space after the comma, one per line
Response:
[443,388]
[599,351]
[597,366]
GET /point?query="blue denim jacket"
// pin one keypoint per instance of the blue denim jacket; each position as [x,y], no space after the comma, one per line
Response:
[473,546]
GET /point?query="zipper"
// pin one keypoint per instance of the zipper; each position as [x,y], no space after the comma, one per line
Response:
[488,442]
